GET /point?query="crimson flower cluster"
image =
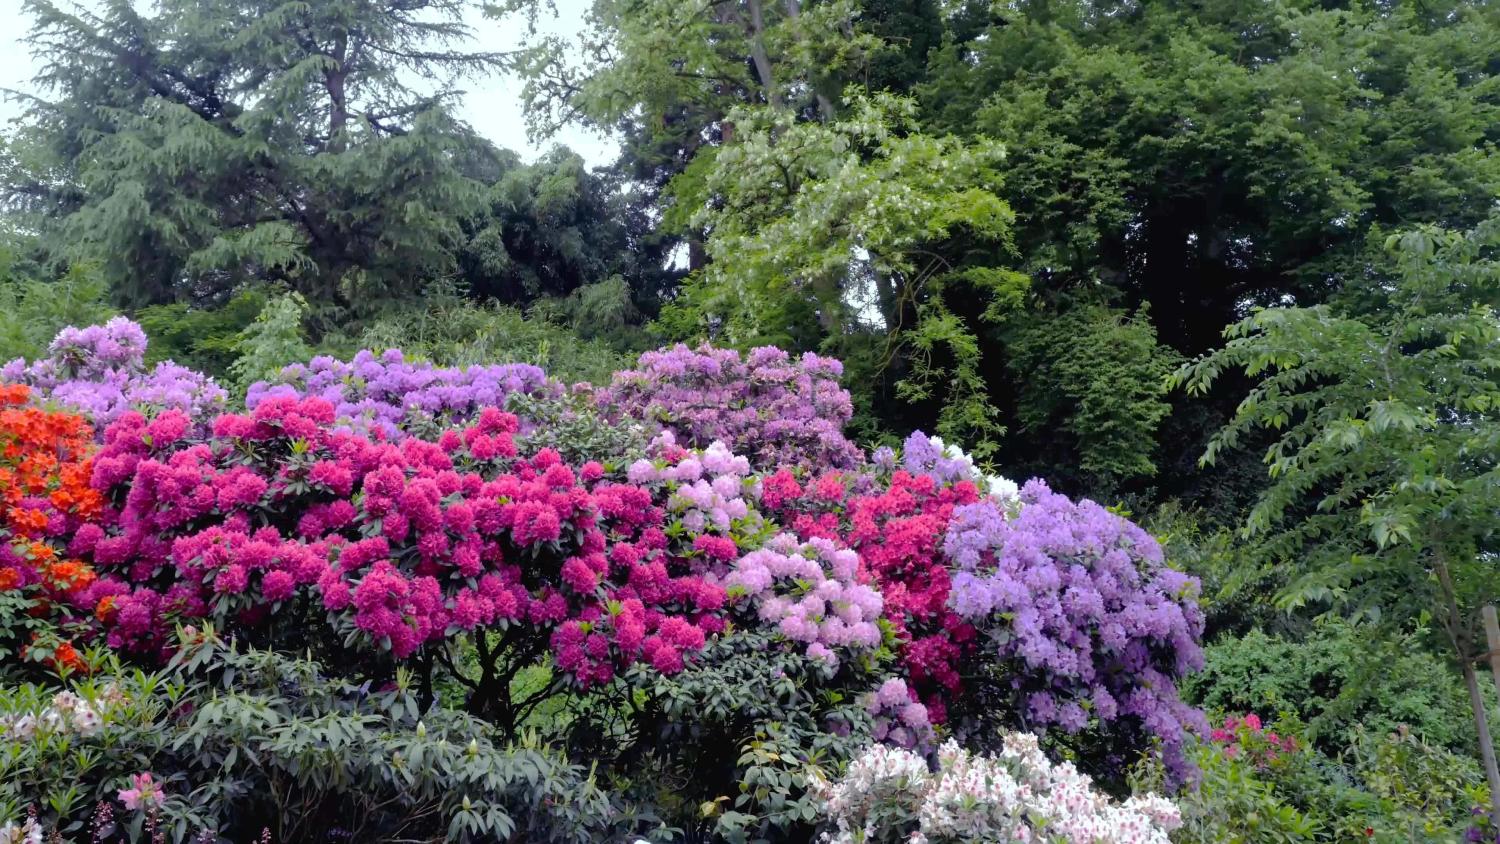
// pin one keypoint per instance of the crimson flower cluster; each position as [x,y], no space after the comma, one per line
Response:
[897,528]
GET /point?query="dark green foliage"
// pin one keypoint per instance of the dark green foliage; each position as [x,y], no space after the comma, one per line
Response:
[211,144]
[1203,155]
[1390,788]
[725,748]
[200,338]
[1383,465]
[573,427]
[448,329]
[1340,680]
[549,229]
[32,311]
[245,741]
[1096,376]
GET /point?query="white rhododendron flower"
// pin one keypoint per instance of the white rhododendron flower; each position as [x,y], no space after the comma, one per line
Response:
[888,794]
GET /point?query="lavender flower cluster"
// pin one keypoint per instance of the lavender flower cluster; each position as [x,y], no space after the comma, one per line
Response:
[1096,624]
[100,371]
[924,455]
[777,411]
[388,395]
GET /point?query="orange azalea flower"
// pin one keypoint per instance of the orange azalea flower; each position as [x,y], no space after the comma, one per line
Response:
[105,609]
[70,576]
[10,578]
[27,522]
[67,656]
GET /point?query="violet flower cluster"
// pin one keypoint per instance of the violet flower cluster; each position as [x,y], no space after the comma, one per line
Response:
[889,795]
[900,719]
[1094,621]
[810,592]
[778,411]
[387,395]
[100,372]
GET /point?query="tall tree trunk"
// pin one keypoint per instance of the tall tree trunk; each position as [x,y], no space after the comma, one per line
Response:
[825,105]
[760,57]
[335,80]
[1460,640]
[1486,746]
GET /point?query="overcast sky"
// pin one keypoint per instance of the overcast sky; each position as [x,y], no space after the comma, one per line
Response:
[493,107]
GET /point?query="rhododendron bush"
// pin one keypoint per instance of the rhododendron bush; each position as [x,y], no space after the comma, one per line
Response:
[100,371]
[776,410]
[387,394]
[890,795]
[557,571]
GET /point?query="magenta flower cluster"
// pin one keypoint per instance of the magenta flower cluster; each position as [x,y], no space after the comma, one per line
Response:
[387,395]
[776,410]
[100,372]
[398,541]
[810,592]
[1093,622]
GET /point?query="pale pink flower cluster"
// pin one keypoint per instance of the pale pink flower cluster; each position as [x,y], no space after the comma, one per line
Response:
[889,794]
[707,488]
[144,793]
[810,591]
[68,714]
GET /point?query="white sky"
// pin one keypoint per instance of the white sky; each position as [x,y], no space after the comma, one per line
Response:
[492,107]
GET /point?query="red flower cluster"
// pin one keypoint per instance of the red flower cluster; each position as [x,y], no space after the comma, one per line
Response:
[898,531]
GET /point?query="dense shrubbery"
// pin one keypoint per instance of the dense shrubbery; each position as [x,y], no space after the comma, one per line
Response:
[719,610]
[238,742]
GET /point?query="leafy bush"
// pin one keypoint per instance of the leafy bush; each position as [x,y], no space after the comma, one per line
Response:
[1339,680]
[241,741]
[728,747]
[32,312]
[449,330]
[272,341]
[202,338]
[1267,783]
[572,425]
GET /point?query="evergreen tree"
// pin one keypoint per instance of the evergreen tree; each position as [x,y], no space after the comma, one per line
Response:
[215,143]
